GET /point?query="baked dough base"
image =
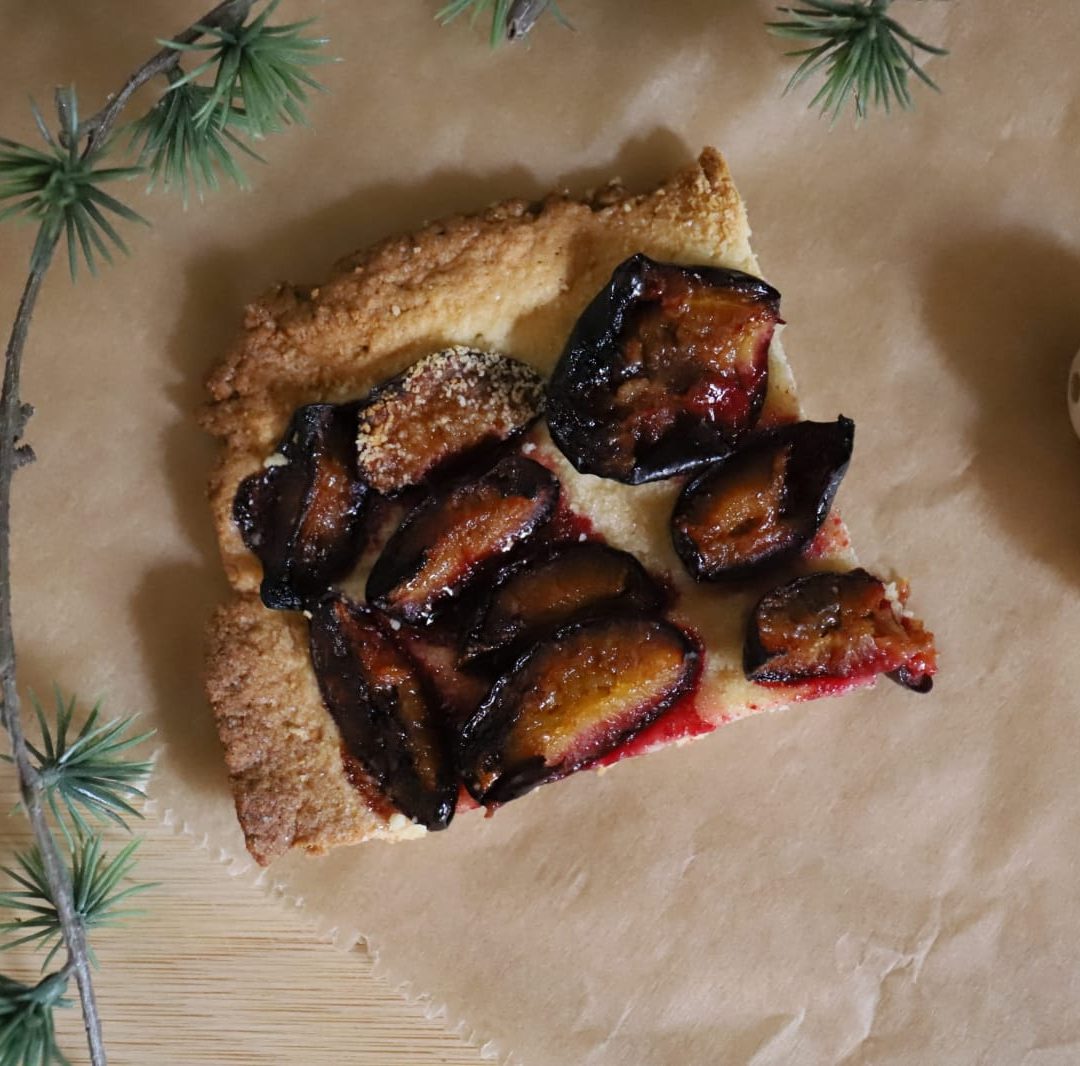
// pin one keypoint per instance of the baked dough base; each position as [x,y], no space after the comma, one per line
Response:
[513,279]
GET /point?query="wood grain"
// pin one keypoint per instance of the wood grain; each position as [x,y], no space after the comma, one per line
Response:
[215,972]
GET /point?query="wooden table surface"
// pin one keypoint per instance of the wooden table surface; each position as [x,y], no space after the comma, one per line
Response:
[214,972]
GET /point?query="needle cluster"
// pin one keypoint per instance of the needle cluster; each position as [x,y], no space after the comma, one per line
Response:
[61,190]
[865,56]
[86,773]
[27,1030]
[90,772]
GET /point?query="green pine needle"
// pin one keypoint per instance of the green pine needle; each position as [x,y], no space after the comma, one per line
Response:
[475,8]
[61,191]
[502,14]
[90,773]
[27,1032]
[95,881]
[259,73]
[865,56]
[182,151]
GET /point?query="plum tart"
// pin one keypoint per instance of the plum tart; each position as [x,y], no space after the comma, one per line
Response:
[519,495]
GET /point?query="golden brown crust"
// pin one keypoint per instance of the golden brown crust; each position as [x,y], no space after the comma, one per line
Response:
[511,279]
[281,748]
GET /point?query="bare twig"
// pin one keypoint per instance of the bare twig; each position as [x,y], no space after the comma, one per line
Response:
[14,415]
[31,788]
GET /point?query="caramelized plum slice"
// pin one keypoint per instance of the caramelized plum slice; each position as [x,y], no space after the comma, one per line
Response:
[573,699]
[838,625]
[303,514]
[445,541]
[446,404]
[383,710]
[764,503]
[567,581]
[666,370]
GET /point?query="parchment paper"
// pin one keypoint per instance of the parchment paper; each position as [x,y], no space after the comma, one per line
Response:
[880,879]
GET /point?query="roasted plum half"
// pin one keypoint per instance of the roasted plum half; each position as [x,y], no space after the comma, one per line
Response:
[445,405]
[764,503]
[303,514]
[666,370]
[571,700]
[568,580]
[447,539]
[384,711]
[838,625]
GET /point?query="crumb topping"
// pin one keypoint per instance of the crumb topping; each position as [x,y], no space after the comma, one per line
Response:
[448,401]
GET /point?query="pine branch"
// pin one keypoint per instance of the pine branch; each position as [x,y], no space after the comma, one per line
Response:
[260,73]
[96,129]
[31,787]
[60,189]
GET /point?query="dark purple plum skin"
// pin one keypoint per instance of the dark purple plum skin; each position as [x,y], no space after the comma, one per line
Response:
[903,677]
[592,365]
[277,510]
[814,594]
[819,458]
[406,551]
[369,715]
[483,737]
[490,641]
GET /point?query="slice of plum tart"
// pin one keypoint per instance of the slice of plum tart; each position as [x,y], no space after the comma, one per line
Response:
[482,572]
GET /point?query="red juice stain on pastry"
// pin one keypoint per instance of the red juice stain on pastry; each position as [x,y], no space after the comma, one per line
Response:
[830,540]
[682,722]
[572,699]
[569,524]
